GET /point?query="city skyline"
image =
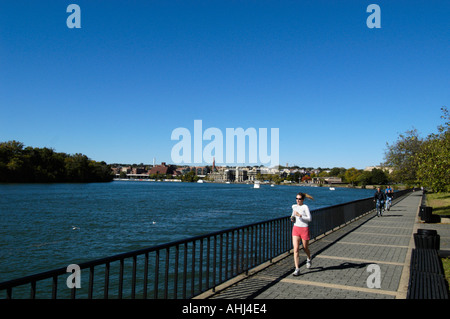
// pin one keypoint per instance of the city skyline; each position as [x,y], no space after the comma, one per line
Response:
[117,87]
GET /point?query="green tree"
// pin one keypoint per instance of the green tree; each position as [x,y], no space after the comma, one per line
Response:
[323,174]
[44,165]
[296,177]
[379,177]
[365,178]
[77,168]
[10,160]
[401,156]
[351,175]
[189,177]
[433,161]
[122,174]
[337,172]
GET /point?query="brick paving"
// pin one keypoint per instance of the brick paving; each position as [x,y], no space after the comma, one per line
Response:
[340,262]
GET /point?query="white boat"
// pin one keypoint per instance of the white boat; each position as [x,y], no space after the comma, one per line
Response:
[256,185]
[200,181]
[332,188]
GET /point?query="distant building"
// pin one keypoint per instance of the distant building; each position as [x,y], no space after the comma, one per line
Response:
[162,169]
[326,180]
[139,170]
[226,174]
[383,168]
[126,169]
[198,170]
[116,170]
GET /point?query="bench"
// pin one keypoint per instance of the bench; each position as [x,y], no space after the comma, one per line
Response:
[427,279]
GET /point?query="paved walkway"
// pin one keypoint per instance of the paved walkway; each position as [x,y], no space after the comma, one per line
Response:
[341,263]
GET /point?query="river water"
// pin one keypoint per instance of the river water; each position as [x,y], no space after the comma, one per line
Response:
[49,226]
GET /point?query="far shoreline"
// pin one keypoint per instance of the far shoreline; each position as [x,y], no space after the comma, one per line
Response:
[399,187]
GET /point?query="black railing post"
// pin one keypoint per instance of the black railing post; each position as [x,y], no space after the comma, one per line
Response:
[133,280]
[145,276]
[91,282]
[54,286]
[33,290]
[221,262]
[185,270]
[214,262]
[208,247]
[155,291]
[105,295]
[193,269]
[166,274]
[200,266]
[121,279]
[175,279]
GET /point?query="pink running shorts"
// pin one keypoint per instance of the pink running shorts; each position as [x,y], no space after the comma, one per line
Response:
[302,232]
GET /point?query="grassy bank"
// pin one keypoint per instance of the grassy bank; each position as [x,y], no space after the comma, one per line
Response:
[441,206]
[440,203]
[446,264]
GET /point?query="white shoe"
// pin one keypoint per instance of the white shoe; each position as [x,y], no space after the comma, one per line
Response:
[296,272]
[308,263]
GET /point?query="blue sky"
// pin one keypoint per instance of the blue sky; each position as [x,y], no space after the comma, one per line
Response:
[116,88]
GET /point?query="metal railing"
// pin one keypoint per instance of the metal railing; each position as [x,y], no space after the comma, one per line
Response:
[183,268]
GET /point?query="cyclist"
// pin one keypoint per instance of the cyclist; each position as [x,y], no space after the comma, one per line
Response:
[379,198]
[389,194]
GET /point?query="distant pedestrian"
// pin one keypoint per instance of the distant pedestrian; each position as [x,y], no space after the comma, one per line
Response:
[301,216]
[389,195]
[379,198]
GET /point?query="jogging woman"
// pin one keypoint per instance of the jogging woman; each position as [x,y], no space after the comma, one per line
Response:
[301,216]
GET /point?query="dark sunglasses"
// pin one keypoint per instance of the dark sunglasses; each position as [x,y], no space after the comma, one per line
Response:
[298,198]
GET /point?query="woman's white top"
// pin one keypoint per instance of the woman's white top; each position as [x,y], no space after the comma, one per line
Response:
[305,218]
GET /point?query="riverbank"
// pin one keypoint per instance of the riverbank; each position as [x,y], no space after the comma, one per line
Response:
[402,187]
[440,202]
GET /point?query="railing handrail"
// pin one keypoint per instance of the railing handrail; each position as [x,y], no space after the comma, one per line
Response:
[120,257]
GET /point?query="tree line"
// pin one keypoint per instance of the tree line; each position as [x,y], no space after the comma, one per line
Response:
[422,161]
[19,164]
[353,176]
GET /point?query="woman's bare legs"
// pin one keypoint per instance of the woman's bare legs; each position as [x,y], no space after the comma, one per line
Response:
[296,243]
[305,244]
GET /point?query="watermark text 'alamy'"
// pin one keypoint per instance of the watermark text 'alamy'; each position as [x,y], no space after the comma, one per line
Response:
[257,145]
